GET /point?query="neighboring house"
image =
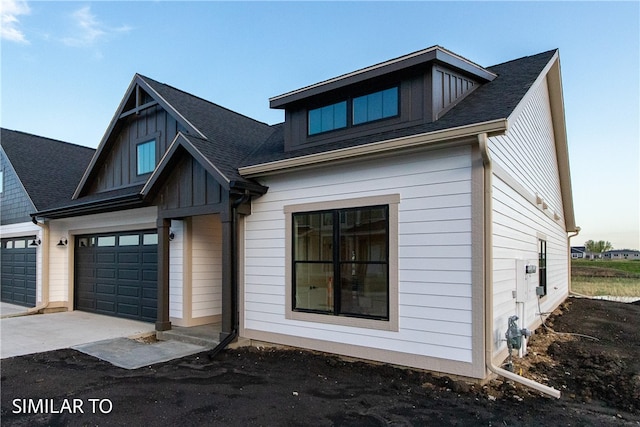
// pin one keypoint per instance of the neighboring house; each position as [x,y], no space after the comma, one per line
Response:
[401,213]
[35,173]
[621,254]
[578,252]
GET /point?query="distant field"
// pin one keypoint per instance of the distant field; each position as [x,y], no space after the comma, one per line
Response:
[596,278]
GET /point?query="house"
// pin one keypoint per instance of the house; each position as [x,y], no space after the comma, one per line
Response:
[578,252]
[401,213]
[35,173]
[615,254]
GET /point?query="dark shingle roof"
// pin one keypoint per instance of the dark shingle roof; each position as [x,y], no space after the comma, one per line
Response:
[230,136]
[48,169]
[491,101]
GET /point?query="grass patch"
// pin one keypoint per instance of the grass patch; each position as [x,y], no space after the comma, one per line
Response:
[600,286]
[632,267]
[601,277]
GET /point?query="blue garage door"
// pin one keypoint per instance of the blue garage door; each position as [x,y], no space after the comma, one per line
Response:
[116,274]
[18,271]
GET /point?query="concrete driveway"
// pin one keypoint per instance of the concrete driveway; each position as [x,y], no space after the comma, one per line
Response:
[45,332]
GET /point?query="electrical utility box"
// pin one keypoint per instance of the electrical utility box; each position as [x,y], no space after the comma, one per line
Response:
[525,286]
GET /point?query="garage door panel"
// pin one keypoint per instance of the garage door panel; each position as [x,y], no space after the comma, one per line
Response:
[18,271]
[126,274]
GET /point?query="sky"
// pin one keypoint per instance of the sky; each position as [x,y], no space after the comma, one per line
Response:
[65,67]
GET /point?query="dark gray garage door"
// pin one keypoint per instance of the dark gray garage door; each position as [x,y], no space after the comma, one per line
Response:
[18,271]
[116,274]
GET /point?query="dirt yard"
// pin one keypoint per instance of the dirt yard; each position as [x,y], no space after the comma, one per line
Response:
[599,379]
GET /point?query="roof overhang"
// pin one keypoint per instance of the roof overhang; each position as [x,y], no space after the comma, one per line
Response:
[491,128]
[190,144]
[129,201]
[431,54]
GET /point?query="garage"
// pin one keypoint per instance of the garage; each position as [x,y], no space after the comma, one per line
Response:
[18,267]
[116,274]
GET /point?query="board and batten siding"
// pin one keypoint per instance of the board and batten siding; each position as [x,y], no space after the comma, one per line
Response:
[434,247]
[526,172]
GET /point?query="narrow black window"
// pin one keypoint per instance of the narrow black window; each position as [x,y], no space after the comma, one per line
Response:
[542,266]
[341,262]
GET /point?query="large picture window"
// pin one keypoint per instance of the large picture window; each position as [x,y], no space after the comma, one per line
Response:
[328,118]
[341,262]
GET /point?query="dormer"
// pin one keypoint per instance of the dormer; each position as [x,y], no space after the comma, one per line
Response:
[410,90]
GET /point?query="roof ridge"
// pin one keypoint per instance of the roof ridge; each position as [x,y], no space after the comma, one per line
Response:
[523,57]
[201,99]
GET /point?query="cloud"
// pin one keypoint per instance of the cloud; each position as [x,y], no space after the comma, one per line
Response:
[10,10]
[88,30]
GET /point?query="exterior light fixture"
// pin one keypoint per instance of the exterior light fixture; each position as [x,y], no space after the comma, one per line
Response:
[171,235]
[35,242]
[62,243]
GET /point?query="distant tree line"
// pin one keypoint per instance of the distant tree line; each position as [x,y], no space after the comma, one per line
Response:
[598,247]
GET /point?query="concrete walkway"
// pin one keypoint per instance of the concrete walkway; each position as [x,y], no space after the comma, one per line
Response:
[45,332]
[105,337]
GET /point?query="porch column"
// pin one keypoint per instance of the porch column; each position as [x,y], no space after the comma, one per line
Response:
[162,321]
[228,253]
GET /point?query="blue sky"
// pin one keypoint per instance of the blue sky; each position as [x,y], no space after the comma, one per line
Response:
[66,65]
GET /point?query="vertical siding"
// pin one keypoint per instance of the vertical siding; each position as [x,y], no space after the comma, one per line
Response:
[434,251]
[527,156]
[206,273]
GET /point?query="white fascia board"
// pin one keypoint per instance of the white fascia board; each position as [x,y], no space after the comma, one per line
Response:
[493,127]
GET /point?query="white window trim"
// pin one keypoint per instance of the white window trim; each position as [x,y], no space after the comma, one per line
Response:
[392,200]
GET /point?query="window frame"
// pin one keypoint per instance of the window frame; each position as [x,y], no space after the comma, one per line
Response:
[542,265]
[391,323]
[367,96]
[153,141]
[350,111]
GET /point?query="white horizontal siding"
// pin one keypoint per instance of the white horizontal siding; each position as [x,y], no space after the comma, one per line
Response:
[517,228]
[176,270]
[527,151]
[434,233]
[206,266]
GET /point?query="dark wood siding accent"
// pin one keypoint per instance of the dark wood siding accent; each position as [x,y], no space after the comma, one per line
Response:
[448,89]
[190,188]
[119,165]
[416,106]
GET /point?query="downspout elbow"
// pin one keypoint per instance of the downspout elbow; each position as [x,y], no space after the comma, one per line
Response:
[488,277]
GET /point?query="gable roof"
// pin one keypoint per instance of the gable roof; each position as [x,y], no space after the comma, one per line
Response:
[227,136]
[48,169]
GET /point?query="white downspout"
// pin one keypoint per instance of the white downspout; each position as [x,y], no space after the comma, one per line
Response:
[44,273]
[488,278]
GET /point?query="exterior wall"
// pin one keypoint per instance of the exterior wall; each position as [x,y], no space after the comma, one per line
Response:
[206,274]
[61,258]
[527,206]
[118,168]
[436,298]
[15,204]
[177,248]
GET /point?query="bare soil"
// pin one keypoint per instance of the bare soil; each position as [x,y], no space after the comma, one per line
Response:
[599,379]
